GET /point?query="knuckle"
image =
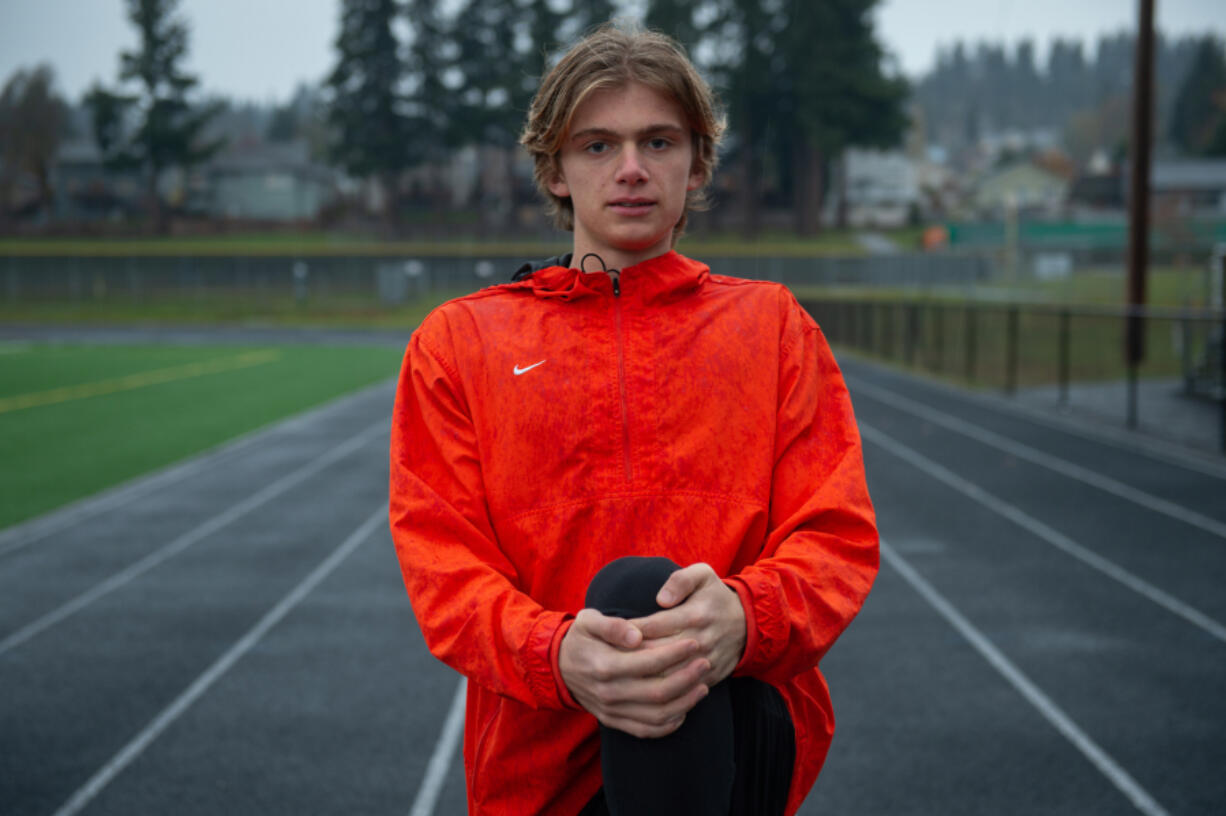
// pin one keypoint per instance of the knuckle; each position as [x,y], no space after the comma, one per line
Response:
[658,695]
[661,718]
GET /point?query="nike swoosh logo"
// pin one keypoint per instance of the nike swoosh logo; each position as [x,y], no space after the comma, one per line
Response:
[526,369]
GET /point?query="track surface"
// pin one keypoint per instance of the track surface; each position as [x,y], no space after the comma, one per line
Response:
[231,635]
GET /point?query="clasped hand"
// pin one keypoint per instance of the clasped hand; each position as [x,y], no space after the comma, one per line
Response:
[643,675]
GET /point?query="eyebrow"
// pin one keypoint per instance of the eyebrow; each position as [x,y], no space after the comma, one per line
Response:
[650,130]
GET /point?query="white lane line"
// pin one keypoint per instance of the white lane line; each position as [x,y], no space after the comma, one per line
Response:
[1046,707]
[189,538]
[126,755]
[1051,536]
[27,532]
[1021,451]
[444,751]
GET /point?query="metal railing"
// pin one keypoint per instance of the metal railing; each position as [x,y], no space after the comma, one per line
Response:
[392,278]
[1049,353]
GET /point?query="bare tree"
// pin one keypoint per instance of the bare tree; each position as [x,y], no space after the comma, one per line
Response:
[32,122]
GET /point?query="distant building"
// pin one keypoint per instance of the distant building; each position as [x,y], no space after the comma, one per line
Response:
[266,182]
[941,193]
[1094,194]
[1177,187]
[1022,186]
[85,189]
[262,182]
[1190,187]
[881,188]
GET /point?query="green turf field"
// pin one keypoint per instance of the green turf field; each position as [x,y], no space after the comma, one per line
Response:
[227,308]
[77,419]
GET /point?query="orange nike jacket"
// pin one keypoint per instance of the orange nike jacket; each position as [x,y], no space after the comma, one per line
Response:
[543,428]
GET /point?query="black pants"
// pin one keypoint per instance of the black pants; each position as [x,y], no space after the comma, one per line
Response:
[732,755]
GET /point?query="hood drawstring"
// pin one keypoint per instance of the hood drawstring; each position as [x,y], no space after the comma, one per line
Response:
[614,274]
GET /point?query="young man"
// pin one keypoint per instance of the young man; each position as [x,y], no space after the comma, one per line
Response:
[627,495]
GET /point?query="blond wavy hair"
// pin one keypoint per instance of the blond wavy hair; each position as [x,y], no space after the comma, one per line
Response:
[611,57]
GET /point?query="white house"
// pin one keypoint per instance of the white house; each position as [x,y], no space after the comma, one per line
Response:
[881,187]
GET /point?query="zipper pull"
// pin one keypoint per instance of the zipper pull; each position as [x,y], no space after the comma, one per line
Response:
[615,275]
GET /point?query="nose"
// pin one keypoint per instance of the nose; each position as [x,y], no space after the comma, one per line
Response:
[630,169]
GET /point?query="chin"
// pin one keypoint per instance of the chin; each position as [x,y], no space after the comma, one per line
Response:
[638,243]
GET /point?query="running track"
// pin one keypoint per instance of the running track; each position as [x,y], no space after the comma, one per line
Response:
[230,635]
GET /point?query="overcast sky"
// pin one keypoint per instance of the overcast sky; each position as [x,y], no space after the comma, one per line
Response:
[261,49]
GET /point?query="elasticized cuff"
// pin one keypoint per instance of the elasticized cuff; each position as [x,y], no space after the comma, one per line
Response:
[555,649]
[751,623]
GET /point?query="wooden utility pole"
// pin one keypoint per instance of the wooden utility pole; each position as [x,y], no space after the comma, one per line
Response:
[1138,199]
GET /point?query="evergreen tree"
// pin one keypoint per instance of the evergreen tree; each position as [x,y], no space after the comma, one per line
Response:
[1027,96]
[1198,120]
[367,109]
[169,128]
[588,14]
[501,48]
[486,60]
[980,90]
[808,84]
[845,98]
[430,51]
[1066,87]
[676,19]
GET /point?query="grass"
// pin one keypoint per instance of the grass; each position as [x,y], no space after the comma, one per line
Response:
[227,308]
[1167,286]
[77,419]
[773,244]
[970,345]
[306,245]
[1185,285]
[317,244]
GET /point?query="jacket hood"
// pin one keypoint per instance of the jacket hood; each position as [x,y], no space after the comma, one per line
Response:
[664,276]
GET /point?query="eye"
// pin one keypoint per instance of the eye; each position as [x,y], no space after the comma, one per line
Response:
[596,148]
[659,143]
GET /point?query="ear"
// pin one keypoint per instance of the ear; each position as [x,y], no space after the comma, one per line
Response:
[695,180]
[558,186]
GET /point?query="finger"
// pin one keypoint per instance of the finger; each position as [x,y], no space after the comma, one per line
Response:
[680,584]
[643,730]
[664,694]
[668,624]
[654,720]
[646,663]
[614,631]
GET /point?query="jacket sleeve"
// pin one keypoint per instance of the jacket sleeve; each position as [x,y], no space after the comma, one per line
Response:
[821,552]
[462,587]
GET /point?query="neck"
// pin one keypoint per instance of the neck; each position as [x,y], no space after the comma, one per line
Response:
[614,258]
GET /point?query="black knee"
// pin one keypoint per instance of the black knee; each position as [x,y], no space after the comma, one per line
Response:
[627,587]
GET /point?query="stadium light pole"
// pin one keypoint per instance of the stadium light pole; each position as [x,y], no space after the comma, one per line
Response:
[1138,199]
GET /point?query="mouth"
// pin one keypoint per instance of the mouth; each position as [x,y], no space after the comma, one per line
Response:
[632,205]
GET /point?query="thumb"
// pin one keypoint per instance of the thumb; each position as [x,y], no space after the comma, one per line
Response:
[680,585]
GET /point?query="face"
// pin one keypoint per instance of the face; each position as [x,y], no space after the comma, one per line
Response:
[626,164]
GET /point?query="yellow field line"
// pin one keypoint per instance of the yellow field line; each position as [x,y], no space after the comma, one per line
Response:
[139,380]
